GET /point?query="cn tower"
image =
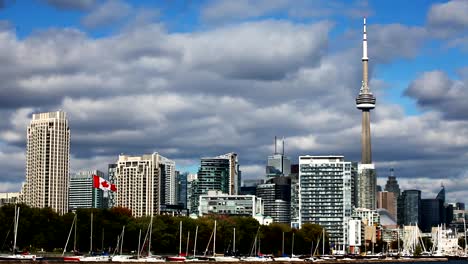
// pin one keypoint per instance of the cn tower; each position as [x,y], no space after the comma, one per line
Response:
[365,102]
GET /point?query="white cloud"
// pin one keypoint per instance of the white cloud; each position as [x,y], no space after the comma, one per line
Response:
[107,13]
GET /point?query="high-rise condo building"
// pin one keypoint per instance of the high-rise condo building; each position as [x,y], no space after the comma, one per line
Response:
[325,194]
[182,189]
[220,173]
[138,181]
[168,181]
[365,102]
[81,193]
[47,162]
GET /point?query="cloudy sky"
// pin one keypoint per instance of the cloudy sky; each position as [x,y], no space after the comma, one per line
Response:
[200,78]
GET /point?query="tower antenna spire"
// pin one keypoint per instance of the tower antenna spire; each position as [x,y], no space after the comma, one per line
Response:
[276,152]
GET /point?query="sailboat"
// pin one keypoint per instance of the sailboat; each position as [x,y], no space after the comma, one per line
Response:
[92,258]
[72,258]
[223,258]
[290,258]
[149,257]
[179,257]
[15,255]
[254,250]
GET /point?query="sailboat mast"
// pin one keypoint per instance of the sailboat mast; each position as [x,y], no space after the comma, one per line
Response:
[282,246]
[188,240]
[139,239]
[74,239]
[180,238]
[292,248]
[15,228]
[68,238]
[195,244]
[214,239]
[102,240]
[323,242]
[91,235]
[464,231]
[234,242]
[150,231]
[121,239]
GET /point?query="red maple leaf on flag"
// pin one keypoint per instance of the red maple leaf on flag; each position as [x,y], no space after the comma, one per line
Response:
[105,184]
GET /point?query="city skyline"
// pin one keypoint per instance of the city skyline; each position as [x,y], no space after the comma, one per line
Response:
[190,80]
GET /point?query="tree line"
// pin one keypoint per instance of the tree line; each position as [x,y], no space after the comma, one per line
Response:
[44,230]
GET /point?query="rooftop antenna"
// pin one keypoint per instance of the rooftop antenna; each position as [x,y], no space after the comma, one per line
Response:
[392,174]
[275,146]
[283,145]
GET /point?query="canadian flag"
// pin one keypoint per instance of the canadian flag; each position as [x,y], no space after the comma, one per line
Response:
[101,183]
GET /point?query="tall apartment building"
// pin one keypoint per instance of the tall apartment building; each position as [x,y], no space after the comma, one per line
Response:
[47,162]
[81,193]
[111,171]
[144,183]
[325,194]
[138,181]
[220,173]
[182,189]
[168,181]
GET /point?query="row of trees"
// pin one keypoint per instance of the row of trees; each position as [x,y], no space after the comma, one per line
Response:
[43,229]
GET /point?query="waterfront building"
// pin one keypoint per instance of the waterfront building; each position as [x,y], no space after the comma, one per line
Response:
[365,101]
[81,193]
[9,198]
[216,202]
[325,194]
[220,173]
[388,201]
[409,208]
[368,217]
[168,181]
[138,181]
[47,162]
[276,196]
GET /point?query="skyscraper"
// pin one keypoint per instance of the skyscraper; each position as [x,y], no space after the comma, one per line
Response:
[278,164]
[325,194]
[220,173]
[392,184]
[47,162]
[182,189]
[276,196]
[365,102]
[409,207]
[168,189]
[81,192]
[138,181]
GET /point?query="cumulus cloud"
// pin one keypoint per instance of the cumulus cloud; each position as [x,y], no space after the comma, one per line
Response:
[107,13]
[446,19]
[435,90]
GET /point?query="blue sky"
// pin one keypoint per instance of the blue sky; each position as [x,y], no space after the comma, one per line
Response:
[191,79]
